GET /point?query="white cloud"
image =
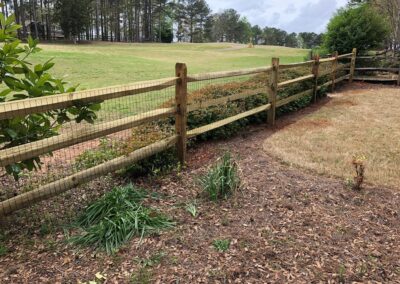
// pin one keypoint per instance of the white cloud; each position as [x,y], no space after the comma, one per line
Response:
[291,15]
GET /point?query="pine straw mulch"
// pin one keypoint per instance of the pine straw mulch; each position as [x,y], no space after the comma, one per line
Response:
[285,226]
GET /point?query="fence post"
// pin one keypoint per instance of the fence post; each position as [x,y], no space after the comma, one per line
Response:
[353,65]
[274,91]
[398,78]
[315,72]
[334,69]
[181,115]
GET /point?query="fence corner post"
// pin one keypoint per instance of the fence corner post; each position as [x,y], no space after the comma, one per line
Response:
[334,70]
[274,91]
[353,65]
[315,72]
[181,115]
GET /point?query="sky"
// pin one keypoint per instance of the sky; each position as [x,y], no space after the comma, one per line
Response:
[290,15]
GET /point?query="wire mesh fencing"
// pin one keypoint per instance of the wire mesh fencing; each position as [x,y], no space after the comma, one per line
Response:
[51,150]
[62,142]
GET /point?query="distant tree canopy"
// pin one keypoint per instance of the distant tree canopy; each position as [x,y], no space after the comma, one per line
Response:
[144,21]
[360,26]
[311,40]
[73,16]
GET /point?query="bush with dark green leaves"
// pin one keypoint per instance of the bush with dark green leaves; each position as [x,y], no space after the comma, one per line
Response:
[110,149]
[359,27]
[21,80]
[107,150]
[212,114]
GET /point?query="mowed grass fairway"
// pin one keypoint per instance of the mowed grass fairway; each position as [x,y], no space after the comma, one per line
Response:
[361,120]
[106,64]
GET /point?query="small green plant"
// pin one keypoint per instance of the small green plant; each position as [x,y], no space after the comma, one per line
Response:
[153,260]
[342,274]
[222,180]
[359,166]
[192,209]
[222,245]
[107,150]
[143,276]
[3,250]
[349,183]
[118,216]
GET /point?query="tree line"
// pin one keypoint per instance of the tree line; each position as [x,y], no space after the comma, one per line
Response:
[389,10]
[144,21]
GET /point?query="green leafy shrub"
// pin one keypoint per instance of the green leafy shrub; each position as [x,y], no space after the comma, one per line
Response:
[142,136]
[222,180]
[107,150]
[209,115]
[21,80]
[115,218]
[203,117]
[358,27]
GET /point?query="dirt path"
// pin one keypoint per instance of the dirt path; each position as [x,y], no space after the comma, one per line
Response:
[285,226]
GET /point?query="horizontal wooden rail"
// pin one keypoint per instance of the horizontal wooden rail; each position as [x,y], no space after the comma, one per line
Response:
[348,55]
[295,65]
[43,104]
[220,101]
[325,60]
[383,69]
[290,99]
[226,74]
[53,189]
[371,57]
[297,80]
[375,79]
[37,148]
[218,124]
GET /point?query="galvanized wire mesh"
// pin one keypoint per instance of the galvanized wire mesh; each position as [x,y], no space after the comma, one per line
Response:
[78,146]
[129,121]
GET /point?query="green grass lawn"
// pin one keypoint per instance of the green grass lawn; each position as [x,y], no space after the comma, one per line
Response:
[107,64]
[98,65]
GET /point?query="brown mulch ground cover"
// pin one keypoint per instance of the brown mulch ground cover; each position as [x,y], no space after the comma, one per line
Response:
[285,226]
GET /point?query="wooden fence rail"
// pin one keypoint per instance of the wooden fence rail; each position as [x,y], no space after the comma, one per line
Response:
[181,109]
[381,78]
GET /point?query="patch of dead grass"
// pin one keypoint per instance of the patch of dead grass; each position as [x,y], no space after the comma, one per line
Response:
[354,122]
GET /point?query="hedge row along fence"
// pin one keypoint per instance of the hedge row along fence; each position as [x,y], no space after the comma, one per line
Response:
[387,67]
[179,111]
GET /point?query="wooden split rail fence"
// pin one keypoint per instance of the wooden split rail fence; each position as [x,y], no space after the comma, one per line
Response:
[180,111]
[392,73]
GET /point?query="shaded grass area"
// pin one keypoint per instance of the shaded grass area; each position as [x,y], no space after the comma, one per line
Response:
[361,121]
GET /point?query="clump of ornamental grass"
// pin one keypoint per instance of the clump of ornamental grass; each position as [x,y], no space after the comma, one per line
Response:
[222,180]
[117,217]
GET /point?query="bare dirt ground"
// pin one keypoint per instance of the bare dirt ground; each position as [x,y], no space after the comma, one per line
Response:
[285,226]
